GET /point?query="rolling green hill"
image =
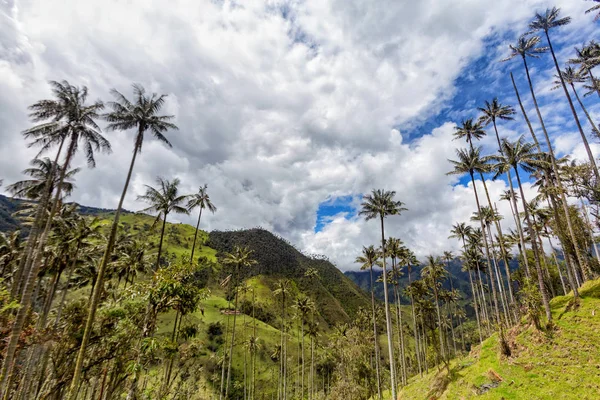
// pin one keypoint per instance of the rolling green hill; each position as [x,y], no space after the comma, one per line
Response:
[563,363]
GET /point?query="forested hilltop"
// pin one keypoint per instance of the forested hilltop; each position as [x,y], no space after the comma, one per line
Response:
[112,304]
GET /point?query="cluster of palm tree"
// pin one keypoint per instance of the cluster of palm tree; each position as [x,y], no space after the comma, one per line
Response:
[61,241]
[547,213]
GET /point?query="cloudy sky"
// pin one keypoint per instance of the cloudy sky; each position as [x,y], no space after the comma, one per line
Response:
[290,110]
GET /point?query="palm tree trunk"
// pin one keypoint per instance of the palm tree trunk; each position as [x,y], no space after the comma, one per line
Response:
[400,333]
[414,319]
[196,235]
[487,248]
[33,269]
[235,306]
[562,279]
[375,343]
[589,228]
[585,111]
[100,278]
[561,190]
[387,315]
[302,384]
[572,107]
[474,293]
[160,243]
[21,273]
[495,273]
[439,323]
[536,255]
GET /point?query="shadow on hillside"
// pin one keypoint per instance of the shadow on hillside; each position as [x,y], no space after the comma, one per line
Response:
[442,379]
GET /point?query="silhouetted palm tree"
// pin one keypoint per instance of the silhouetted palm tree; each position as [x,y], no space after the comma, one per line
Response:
[164,200]
[202,201]
[141,114]
[41,170]
[594,9]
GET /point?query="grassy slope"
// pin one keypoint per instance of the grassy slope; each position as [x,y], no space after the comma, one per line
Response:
[564,364]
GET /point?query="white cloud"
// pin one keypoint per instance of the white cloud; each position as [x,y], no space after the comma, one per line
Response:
[281,104]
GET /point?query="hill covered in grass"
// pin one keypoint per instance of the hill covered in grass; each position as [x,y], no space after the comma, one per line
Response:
[560,363]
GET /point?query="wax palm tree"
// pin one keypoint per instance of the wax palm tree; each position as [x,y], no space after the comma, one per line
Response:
[528,47]
[469,130]
[283,288]
[72,119]
[544,22]
[521,154]
[594,8]
[141,114]
[471,257]
[11,247]
[571,77]
[409,259]
[199,200]
[395,251]
[369,258]
[433,273]
[241,257]
[587,58]
[40,172]
[164,201]
[492,112]
[304,305]
[380,204]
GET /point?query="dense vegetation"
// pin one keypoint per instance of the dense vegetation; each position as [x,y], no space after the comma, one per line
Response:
[110,304]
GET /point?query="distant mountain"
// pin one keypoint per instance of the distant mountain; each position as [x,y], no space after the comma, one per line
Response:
[337,297]
[460,280]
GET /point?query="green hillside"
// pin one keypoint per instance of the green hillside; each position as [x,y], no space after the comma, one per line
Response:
[563,363]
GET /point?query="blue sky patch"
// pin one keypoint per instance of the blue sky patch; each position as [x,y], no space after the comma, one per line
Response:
[334,206]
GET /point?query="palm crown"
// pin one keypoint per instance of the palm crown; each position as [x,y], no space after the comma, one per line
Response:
[201,199]
[493,111]
[141,113]
[548,20]
[40,171]
[469,130]
[380,203]
[526,47]
[469,161]
[165,199]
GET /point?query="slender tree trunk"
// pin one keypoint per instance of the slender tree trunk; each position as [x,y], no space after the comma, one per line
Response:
[235,307]
[556,174]
[33,270]
[387,315]
[474,293]
[21,272]
[562,279]
[414,318]
[196,235]
[97,291]
[400,333]
[585,111]
[589,229]
[593,80]
[572,107]
[538,268]
[160,243]
[487,249]
[375,343]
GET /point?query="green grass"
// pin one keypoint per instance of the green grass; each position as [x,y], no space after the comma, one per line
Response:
[561,364]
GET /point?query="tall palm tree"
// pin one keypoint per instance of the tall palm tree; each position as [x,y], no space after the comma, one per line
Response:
[40,172]
[283,288]
[380,204]
[202,201]
[72,120]
[141,114]
[396,250]
[164,200]
[594,8]
[304,305]
[469,130]
[369,258]
[433,272]
[522,154]
[544,22]
[492,112]
[528,47]
[410,259]
[241,257]
[470,161]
